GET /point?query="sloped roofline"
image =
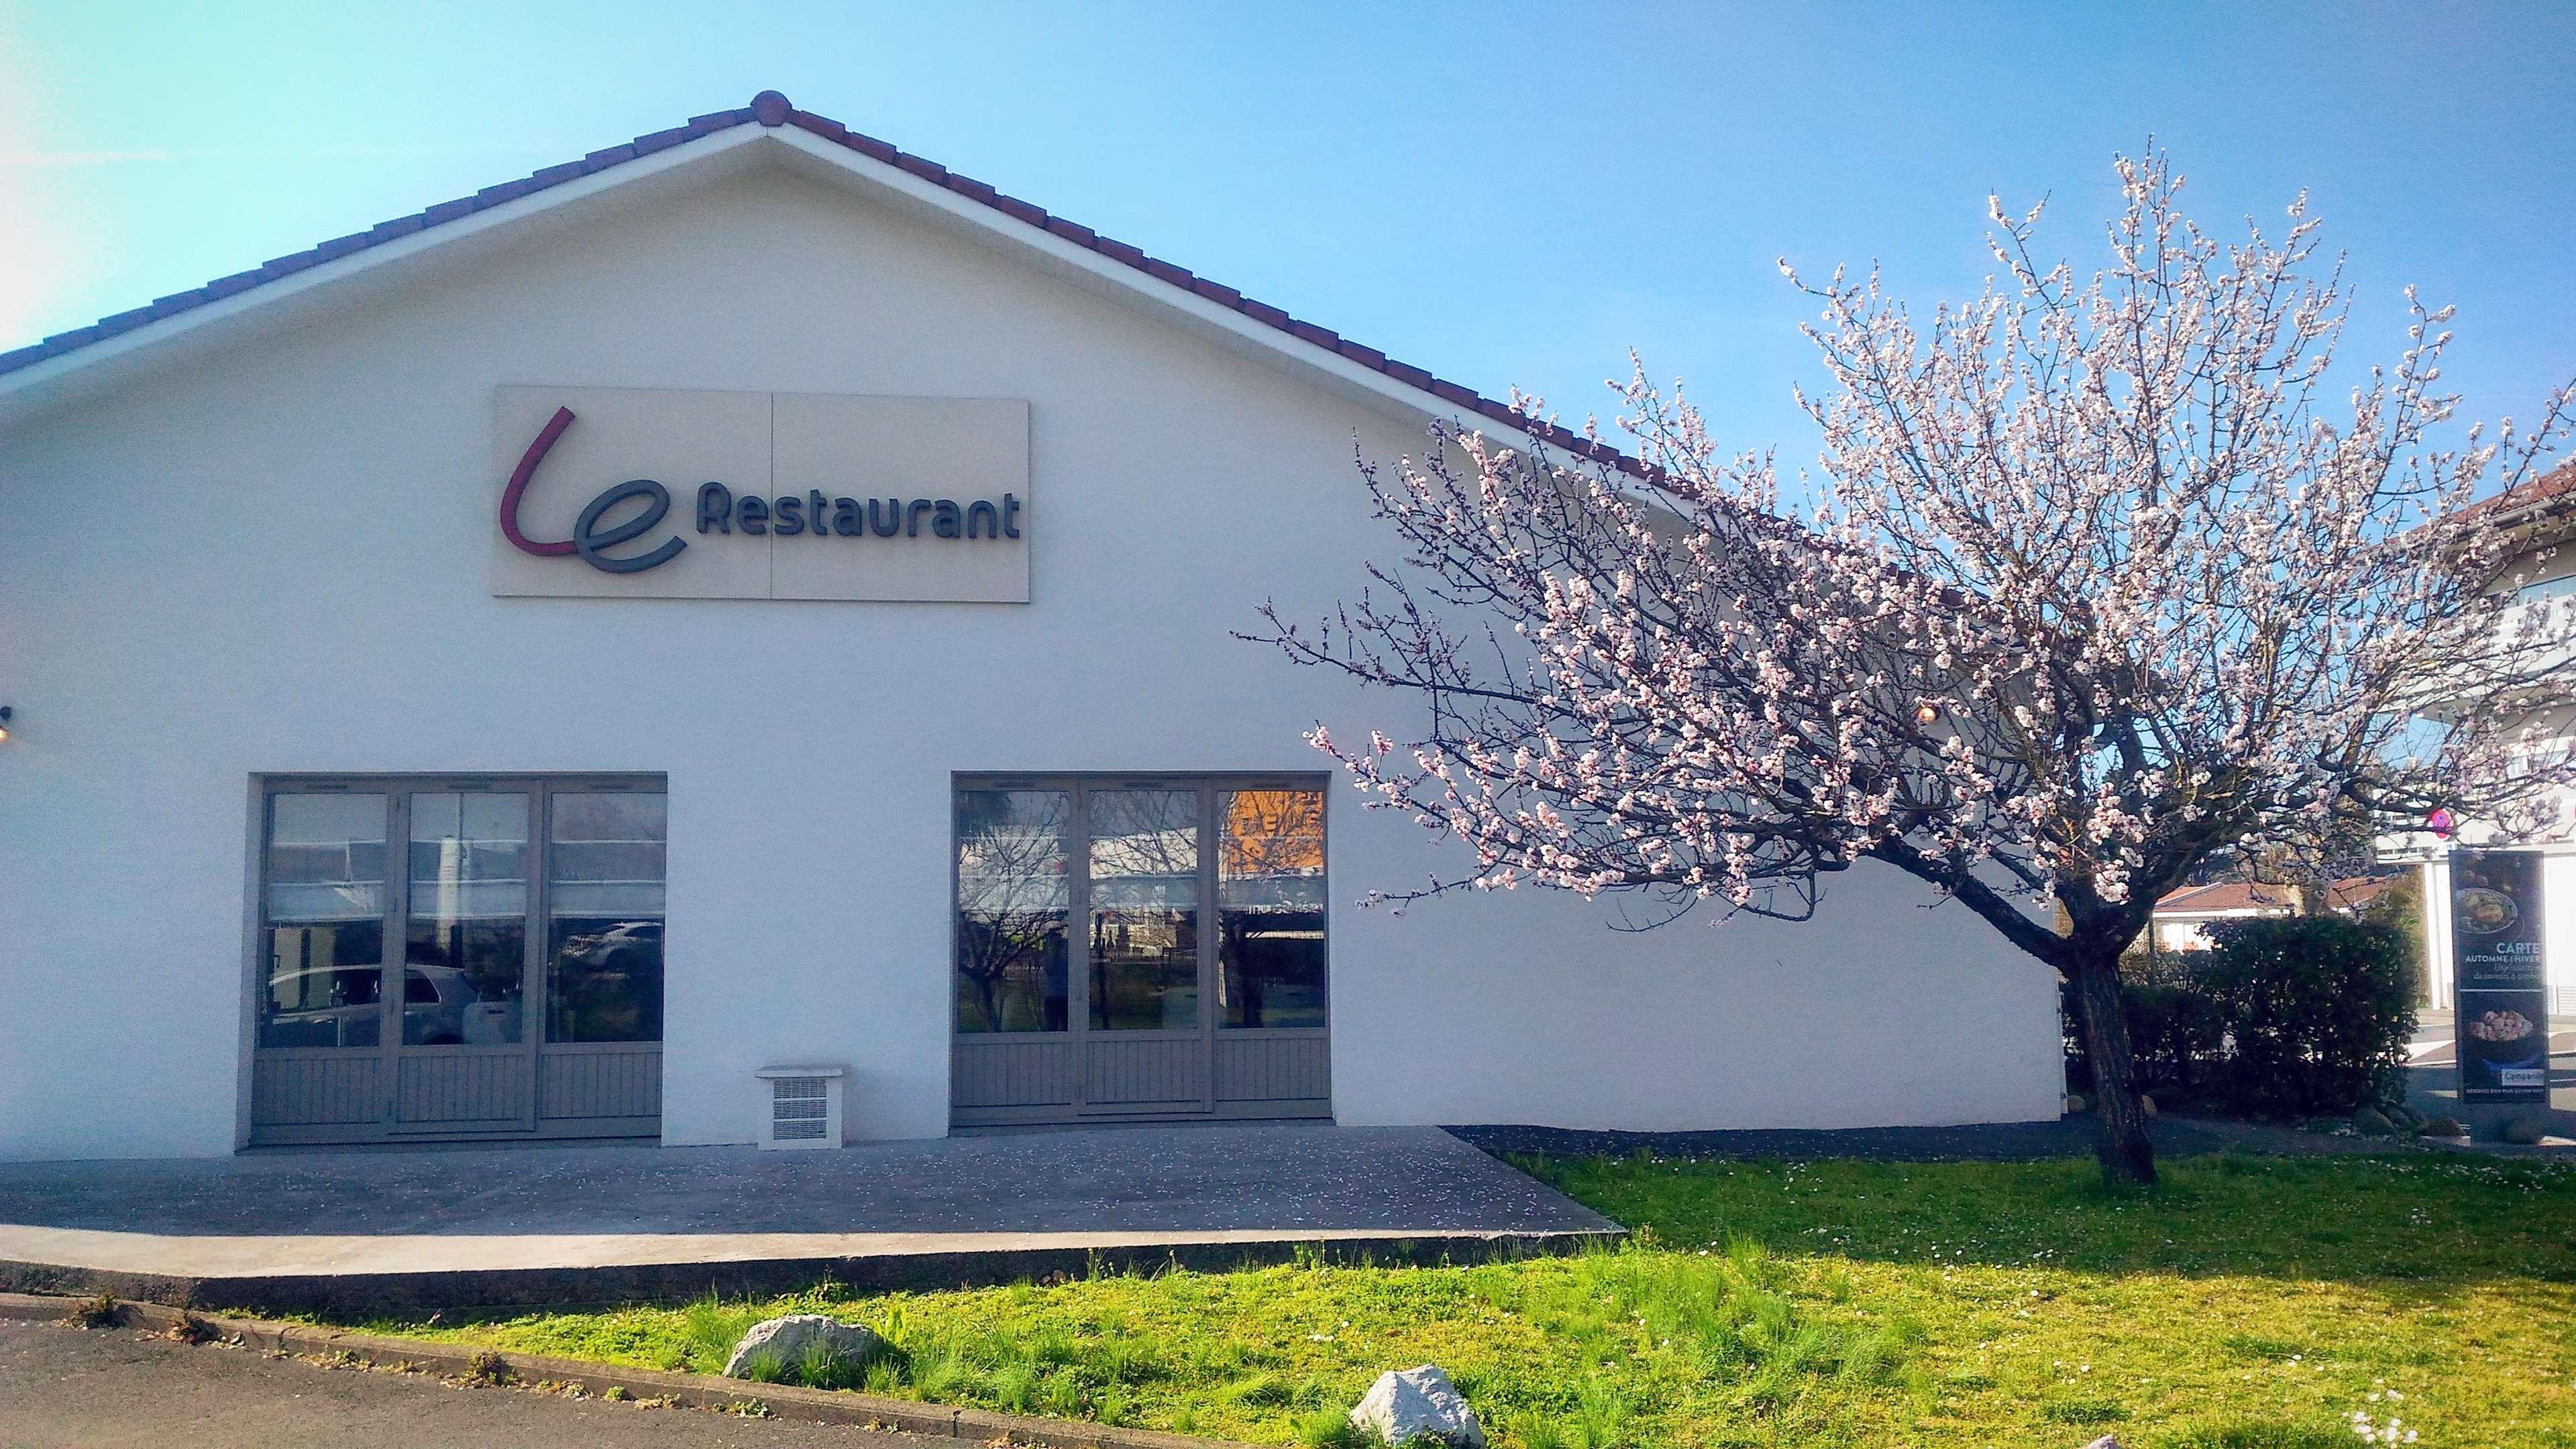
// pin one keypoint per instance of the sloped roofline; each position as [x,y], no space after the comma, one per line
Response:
[1022,221]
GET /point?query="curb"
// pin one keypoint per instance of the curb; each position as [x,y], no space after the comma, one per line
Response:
[699,1391]
[418,1293]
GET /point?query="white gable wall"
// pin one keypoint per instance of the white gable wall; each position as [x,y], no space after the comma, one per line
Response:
[276,561]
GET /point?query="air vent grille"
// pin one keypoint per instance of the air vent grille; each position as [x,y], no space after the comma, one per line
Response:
[797,1108]
[804,1106]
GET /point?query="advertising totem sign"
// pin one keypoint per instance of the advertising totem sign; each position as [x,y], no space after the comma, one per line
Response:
[2497,967]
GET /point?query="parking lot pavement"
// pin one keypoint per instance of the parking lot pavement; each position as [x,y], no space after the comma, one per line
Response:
[62,1387]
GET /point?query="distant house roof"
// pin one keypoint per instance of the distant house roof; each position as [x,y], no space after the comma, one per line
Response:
[2245,898]
[772,110]
[2550,492]
[2227,898]
[2353,894]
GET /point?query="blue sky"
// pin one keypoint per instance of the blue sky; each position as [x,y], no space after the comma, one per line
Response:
[1504,194]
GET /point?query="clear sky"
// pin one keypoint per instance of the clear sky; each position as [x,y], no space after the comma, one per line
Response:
[1504,194]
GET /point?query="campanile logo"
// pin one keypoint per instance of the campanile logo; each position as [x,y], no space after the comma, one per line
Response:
[588,539]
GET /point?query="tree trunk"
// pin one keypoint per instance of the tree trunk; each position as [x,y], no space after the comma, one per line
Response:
[2120,1122]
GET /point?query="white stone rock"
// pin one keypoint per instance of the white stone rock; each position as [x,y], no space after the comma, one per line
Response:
[789,1339]
[1418,1403]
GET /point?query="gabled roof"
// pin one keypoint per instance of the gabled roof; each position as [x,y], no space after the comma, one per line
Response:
[772,111]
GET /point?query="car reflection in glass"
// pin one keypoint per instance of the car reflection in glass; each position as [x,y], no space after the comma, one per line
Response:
[626,946]
[440,1008]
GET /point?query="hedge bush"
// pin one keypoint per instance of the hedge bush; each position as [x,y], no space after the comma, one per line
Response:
[2318,1010]
[2289,1016]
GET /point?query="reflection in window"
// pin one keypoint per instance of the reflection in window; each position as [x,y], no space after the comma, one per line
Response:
[324,906]
[604,864]
[1270,908]
[1144,910]
[1011,907]
[465,964]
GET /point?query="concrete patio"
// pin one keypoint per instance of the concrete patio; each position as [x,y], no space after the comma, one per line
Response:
[419,1230]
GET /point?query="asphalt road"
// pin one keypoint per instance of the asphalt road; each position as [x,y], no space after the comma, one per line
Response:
[63,1387]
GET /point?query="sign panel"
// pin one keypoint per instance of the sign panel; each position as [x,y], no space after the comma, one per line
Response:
[637,493]
[2500,976]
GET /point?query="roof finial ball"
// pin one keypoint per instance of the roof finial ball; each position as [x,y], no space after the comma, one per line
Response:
[770,108]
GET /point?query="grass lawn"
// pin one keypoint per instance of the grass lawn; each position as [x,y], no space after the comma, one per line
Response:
[2247,1303]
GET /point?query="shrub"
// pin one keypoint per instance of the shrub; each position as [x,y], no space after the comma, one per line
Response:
[2174,1032]
[2317,1011]
[2174,1028]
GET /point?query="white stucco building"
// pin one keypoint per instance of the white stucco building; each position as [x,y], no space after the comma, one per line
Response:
[2540,516]
[351,794]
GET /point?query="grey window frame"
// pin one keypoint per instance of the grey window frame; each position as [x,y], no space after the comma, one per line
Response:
[540,787]
[1078,785]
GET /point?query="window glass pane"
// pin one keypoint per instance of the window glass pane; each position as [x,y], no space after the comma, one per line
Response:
[1011,905]
[1144,910]
[465,963]
[1270,908]
[604,864]
[323,903]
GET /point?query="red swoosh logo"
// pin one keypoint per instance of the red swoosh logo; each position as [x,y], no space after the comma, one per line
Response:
[519,477]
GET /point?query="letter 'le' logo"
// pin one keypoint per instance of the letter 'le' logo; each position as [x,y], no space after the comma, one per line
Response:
[588,538]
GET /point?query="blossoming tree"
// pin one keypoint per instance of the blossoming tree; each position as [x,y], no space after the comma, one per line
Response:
[2098,579]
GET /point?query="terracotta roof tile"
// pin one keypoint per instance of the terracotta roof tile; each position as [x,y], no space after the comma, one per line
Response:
[2224,896]
[2348,894]
[2549,487]
[769,108]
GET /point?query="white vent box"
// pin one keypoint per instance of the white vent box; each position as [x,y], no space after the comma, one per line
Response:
[804,1107]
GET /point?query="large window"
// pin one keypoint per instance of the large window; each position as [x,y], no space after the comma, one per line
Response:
[605,862]
[469,896]
[1011,910]
[1195,898]
[1144,909]
[324,902]
[465,962]
[1270,908]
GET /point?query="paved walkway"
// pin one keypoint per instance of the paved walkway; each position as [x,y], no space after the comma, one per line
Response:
[111,1390]
[429,1229]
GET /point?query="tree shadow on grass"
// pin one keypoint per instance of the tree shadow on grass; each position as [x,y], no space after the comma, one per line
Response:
[2409,1224]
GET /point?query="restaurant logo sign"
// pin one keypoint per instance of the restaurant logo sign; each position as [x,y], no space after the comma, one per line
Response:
[611,492]
[2498,974]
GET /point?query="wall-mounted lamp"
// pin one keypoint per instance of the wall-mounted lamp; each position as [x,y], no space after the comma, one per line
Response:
[1925,713]
[5,712]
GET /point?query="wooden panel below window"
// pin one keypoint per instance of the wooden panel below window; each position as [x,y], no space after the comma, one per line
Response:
[461,1086]
[311,1091]
[1269,1068]
[1122,1071]
[599,1081]
[1002,1072]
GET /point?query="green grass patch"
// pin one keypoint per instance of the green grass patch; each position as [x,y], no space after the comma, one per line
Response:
[2249,1303]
